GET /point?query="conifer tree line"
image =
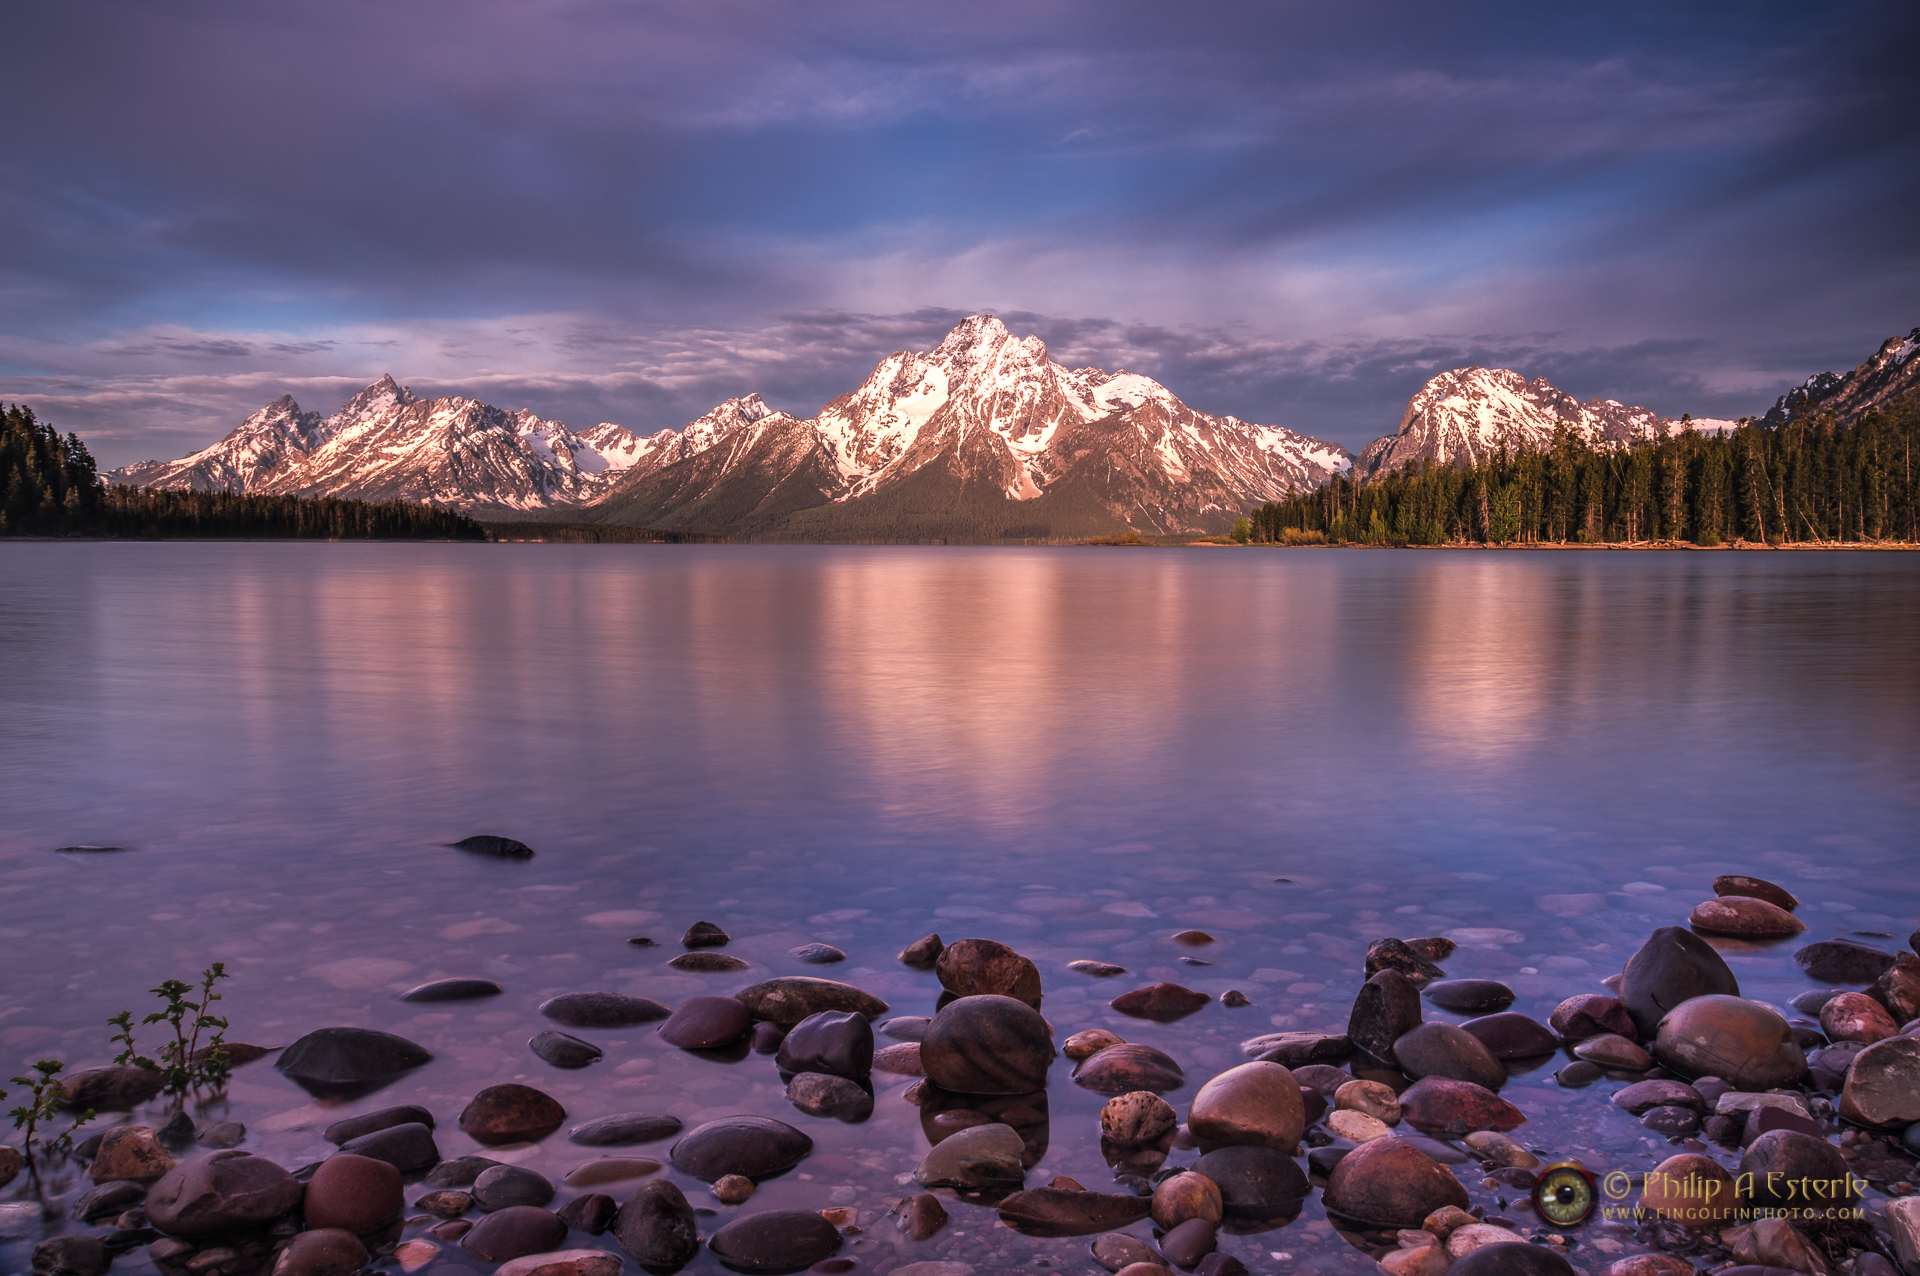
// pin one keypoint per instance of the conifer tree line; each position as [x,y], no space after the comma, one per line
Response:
[1809,480]
[49,486]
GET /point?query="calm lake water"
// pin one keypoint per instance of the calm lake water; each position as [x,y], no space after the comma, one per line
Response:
[1075,751]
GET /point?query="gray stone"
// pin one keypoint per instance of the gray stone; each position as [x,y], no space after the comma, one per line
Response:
[511,1113]
[505,848]
[624,1128]
[1841,961]
[1255,1182]
[461,1171]
[775,1241]
[505,1185]
[367,1122]
[1190,1242]
[225,1192]
[350,1057]
[590,1213]
[406,1147]
[706,1023]
[452,990]
[818,954]
[602,1010]
[753,1146]
[1512,1035]
[563,1050]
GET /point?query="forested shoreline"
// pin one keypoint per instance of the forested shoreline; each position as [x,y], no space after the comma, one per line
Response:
[1810,481]
[50,486]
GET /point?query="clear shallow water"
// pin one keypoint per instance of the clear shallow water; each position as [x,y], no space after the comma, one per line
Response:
[1074,751]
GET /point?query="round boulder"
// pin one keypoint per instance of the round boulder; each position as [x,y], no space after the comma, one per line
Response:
[325,1251]
[1730,1037]
[1692,1190]
[1129,1066]
[511,1113]
[754,1147]
[1255,1182]
[1883,1084]
[656,1225]
[1186,1195]
[500,1186]
[1854,1016]
[1511,1260]
[1791,1170]
[350,1057]
[227,1192]
[775,1241]
[790,998]
[706,1023]
[513,1233]
[1254,1105]
[602,1010]
[984,967]
[838,1043]
[1390,1183]
[1589,1015]
[989,1045]
[1443,1050]
[1512,1035]
[1673,966]
[1745,917]
[354,1193]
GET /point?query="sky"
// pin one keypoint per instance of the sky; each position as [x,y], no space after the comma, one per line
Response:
[628,211]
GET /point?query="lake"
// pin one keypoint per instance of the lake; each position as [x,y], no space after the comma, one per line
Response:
[1075,751]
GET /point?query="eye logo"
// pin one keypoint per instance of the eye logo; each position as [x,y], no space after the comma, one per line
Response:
[1564,1194]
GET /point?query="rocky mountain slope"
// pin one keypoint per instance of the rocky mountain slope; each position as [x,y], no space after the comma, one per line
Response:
[1890,373]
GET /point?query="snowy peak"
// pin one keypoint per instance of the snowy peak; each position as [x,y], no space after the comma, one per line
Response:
[1889,374]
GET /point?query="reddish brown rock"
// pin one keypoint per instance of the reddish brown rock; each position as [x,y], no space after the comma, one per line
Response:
[1740,1041]
[706,1023]
[1793,1170]
[1854,1016]
[922,953]
[1254,1105]
[1183,1196]
[902,1060]
[1755,888]
[511,1113]
[1053,1211]
[1899,987]
[985,967]
[1162,1003]
[129,1153]
[1745,917]
[1589,1015]
[1129,1066]
[775,1241]
[326,1251]
[1136,1119]
[354,1193]
[228,1191]
[790,998]
[1883,1084]
[1673,966]
[513,1233]
[1437,1105]
[988,1045]
[1084,1045]
[1611,1050]
[1386,1009]
[1692,1190]
[1390,1183]
[1512,1035]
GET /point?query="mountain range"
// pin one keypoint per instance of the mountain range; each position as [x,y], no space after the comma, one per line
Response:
[984,437]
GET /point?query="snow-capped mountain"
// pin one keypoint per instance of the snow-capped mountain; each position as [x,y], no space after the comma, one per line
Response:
[1464,416]
[1890,373]
[385,443]
[983,436]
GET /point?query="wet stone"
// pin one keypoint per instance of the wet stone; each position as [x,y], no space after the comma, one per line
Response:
[1511,1260]
[514,1232]
[1791,1170]
[1190,1242]
[707,963]
[1854,1016]
[1691,1189]
[817,954]
[1389,1183]
[406,1147]
[704,935]
[984,1156]
[1297,1049]
[71,1256]
[446,1202]
[1192,938]
[563,1050]
[1469,996]
[1115,1250]
[788,999]
[1674,965]
[902,1060]
[822,1094]
[1255,1182]
[1256,1104]
[1841,961]
[836,1042]
[508,1185]
[985,967]
[1127,1067]
[1512,1035]
[1611,1050]
[1069,1211]
[1386,1009]
[922,953]
[130,1152]
[706,1023]
[1443,1050]
[989,1045]
[1725,1036]
[1136,1119]
[461,1171]
[1745,917]
[565,1262]
[227,1134]
[1442,1105]
[1398,955]
[1883,1085]
[505,848]
[1233,999]
[919,1216]
[602,1010]
[1642,1096]
[1810,1002]
[354,1193]
[755,1147]
[1162,1003]
[511,1113]
[766,1037]
[114,1088]
[330,1251]
[227,1191]
[906,1027]
[1098,969]
[1590,1014]
[775,1241]
[1671,1121]
[452,990]
[1757,888]
[368,1122]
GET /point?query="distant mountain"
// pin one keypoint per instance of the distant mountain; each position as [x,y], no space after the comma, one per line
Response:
[1467,415]
[385,443]
[983,437]
[1890,373]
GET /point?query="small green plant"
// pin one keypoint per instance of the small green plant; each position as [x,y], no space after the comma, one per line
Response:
[42,1107]
[183,1062]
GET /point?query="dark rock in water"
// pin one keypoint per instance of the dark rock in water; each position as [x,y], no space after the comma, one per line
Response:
[446,1203]
[706,1023]
[1899,989]
[1755,888]
[922,953]
[1190,1242]
[1511,1260]
[1219,1264]
[227,1134]
[499,847]
[328,1251]
[1162,1003]
[350,1057]
[354,1193]
[452,990]
[1810,1002]
[1432,947]
[511,1113]
[920,1216]
[562,1050]
[984,967]
[1841,961]
[1512,1035]
[1052,1211]
[704,935]
[1469,996]
[1297,1049]
[766,1037]
[87,849]
[817,954]
[591,1213]
[602,1010]
[108,1199]
[1673,966]
[237,1052]
[1256,1104]
[788,999]
[405,1147]
[1589,1015]
[1744,917]
[1613,1051]
[1767,1120]
[644,941]
[513,1233]
[1255,1182]
[707,963]
[228,1191]
[1579,1073]
[505,1185]
[71,1256]
[754,1147]
[178,1132]
[982,1156]
[1396,954]
[1320,1161]
[1795,1171]
[1233,999]
[988,1045]
[1098,969]
[1386,1009]
[656,1225]
[1192,938]
[367,1122]
[1643,1095]
[1390,1184]
[775,1241]
[1440,1105]
[1127,1067]
[1725,1036]
[907,1027]
[1442,1050]
[1671,1121]
[114,1088]
[1883,1085]
[461,1171]
[824,1095]
[836,1042]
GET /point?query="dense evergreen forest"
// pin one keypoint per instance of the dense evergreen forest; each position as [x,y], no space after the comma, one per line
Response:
[49,487]
[1810,480]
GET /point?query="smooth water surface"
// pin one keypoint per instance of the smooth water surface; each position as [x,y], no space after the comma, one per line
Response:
[1077,751]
